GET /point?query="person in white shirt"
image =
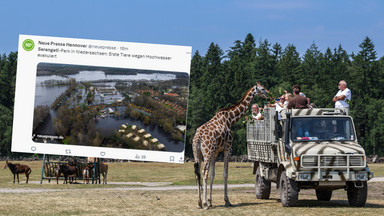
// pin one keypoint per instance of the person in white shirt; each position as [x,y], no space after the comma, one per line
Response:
[288,97]
[256,114]
[280,104]
[342,96]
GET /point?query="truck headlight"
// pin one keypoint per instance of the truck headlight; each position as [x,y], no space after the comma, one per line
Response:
[309,161]
[305,176]
[361,176]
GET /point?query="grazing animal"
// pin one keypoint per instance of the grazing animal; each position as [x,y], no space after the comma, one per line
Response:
[104,171]
[18,168]
[215,136]
[86,174]
[103,168]
[67,171]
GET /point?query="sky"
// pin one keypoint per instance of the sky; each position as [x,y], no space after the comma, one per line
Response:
[327,23]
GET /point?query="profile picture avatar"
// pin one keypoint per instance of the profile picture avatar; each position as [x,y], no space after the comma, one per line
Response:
[28,45]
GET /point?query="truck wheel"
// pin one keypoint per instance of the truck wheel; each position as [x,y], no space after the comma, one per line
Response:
[357,196]
[262,186]
[324,195]
[289,193]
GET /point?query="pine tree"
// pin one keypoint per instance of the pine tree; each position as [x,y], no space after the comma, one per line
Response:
[366,78]
[276,50]
[289,65]
[196,69]
[7,92]
[265,64]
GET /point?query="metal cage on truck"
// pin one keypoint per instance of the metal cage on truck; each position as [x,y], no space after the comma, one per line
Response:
[260,139]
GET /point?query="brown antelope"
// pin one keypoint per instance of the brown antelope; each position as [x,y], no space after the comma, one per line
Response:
[67,172]
[103,168]
[18,168]
[104,171]
[86,172]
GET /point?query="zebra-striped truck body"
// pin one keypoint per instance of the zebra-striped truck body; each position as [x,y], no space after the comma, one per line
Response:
[307,149]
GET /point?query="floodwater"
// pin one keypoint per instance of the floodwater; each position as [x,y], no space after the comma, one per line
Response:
[100,75]
[156,132]
[47,95]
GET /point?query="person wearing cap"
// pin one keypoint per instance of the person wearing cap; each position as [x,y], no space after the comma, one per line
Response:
[342,96]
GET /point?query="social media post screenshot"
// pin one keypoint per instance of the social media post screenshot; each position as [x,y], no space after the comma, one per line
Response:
[93,98]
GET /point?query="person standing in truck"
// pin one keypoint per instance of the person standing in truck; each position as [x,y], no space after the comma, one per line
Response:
[342,96]
[298,101]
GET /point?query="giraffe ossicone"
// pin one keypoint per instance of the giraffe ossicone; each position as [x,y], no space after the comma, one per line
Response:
[215,136]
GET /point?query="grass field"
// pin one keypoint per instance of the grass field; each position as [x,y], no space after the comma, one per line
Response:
[79,199]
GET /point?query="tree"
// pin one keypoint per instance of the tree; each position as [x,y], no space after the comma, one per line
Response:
[7,79]
[366,78]
[289,65]
[276,50]
[5,130]
[196,69]
[265,64]
[7,93]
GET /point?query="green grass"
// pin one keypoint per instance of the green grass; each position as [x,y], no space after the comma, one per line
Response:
[377,168]
[181,202]
[177,174]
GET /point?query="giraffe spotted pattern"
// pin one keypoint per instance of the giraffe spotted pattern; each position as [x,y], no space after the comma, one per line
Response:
[216,136]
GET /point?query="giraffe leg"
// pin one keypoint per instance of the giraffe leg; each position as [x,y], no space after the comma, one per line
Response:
[212,176]
[198,178]
[226,163]
[205,179]
[227,155]
[198,161]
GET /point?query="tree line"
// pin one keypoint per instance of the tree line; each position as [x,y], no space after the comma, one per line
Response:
[219,79]
[8,64]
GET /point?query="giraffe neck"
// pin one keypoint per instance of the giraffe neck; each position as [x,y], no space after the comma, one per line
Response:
[237,111]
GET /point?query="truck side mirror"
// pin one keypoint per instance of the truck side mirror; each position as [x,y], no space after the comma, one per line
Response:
[278,127]
[288,148]
[279,131]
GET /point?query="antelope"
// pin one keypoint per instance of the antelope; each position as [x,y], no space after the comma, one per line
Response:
[18,168]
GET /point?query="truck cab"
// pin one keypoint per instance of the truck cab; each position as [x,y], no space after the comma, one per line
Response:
[307,149]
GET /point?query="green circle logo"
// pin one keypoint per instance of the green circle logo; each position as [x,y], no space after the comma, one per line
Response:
[28,45]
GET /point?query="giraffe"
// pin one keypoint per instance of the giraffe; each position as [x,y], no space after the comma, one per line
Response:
[215,136]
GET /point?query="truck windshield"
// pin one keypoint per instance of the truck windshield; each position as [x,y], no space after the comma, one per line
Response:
[312,129]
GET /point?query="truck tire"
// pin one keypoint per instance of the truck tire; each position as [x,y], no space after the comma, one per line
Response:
[357,196]
[324,195]
[262,186]
[289,193]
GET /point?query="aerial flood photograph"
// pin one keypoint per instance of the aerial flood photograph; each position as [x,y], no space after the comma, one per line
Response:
[110,107]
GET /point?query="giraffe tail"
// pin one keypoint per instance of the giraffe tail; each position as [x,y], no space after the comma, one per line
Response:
[197,173]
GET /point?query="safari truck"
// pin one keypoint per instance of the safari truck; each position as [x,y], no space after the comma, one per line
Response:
[307,149]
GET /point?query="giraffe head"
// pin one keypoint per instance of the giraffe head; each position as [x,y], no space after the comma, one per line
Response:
[261,91]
